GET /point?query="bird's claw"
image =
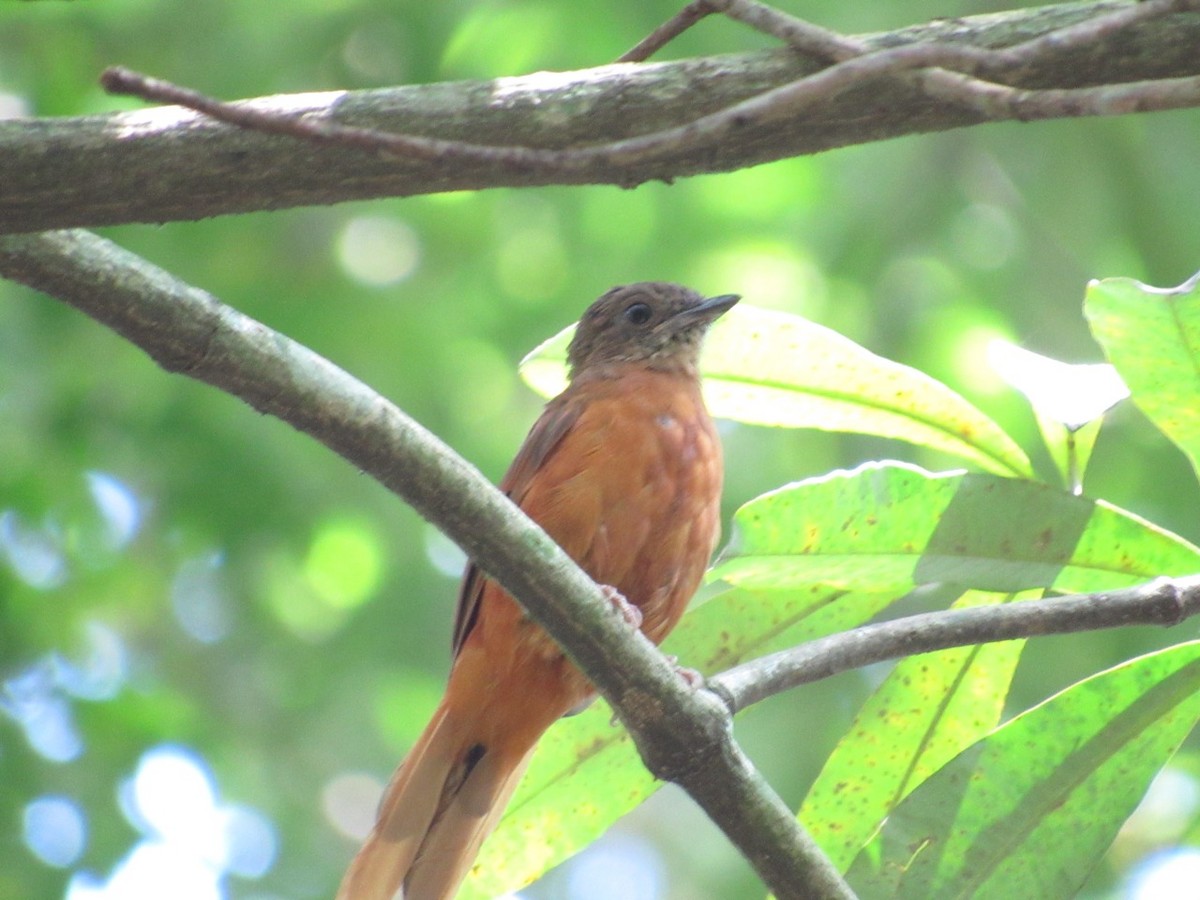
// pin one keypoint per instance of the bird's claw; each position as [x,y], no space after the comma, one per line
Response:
[627,611]
[692,677]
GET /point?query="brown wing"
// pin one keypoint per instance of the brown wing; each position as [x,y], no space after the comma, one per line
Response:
[543,439]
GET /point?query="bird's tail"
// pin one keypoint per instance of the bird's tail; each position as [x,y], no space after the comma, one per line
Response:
[445,798]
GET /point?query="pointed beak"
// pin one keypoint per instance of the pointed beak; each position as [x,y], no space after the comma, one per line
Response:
[713,307]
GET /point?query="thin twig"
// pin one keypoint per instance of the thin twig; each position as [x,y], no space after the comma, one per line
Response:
[667,31]
[1161,602]
[994,101]
[119,80]
[820,43]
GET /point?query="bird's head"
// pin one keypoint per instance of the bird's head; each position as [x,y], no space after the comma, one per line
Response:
[651,322]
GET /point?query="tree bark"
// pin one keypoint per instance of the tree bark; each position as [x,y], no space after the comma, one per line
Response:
[163,164]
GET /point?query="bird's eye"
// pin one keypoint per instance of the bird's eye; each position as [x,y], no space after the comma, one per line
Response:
[638,313]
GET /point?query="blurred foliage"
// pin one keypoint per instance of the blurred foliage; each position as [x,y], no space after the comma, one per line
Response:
[173,567]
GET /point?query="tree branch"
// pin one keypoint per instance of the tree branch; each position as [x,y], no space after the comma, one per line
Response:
[812,40]
[1160,602]
[685,735]
[668,31]
[621,124]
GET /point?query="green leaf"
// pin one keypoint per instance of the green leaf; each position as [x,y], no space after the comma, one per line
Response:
[888,526]
[1152,337]
[1070,450]
[585,773]
[928,709]
[1029,810]
[766,367]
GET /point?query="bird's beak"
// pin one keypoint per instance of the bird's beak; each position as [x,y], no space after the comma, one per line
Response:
[713,307]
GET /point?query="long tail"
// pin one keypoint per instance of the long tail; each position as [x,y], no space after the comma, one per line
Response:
[440,805]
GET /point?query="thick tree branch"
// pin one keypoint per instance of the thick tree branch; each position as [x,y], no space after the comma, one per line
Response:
[664,120]
[1161,602]
[685,735]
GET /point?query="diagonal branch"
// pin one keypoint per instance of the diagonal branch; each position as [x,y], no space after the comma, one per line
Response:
[812,40]
[621,124]
[668,31]
[684,735]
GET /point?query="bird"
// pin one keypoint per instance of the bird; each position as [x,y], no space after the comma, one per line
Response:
[623,470]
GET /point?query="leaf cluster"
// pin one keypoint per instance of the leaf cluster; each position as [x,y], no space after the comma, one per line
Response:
[932,791]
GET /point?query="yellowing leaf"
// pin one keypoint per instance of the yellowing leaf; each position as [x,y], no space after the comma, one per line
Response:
[766,367]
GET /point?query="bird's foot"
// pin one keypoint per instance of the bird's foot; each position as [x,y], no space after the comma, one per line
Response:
[692,677]
[627,611]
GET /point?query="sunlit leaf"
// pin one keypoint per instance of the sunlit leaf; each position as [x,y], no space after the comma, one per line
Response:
[1068,401]
[766,367]
[887,526]
[586,773]
[928,709]
[1152,336]
[1028,811]
[1070,393]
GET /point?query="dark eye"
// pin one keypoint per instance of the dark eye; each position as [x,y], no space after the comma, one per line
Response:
[638,313]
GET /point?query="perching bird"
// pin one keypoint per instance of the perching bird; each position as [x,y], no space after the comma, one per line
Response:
[623,470]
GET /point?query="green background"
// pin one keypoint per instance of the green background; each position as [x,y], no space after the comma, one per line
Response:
[323,603]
